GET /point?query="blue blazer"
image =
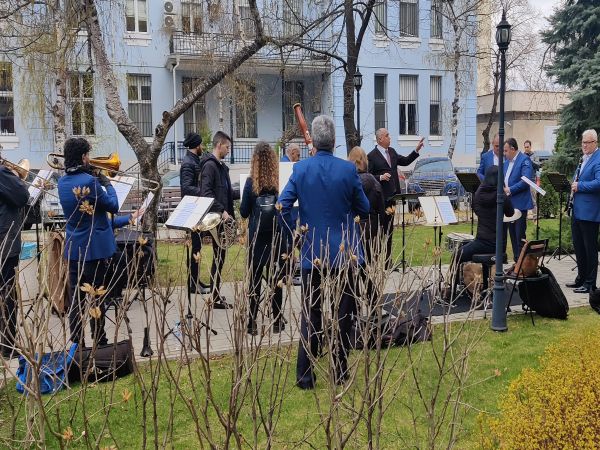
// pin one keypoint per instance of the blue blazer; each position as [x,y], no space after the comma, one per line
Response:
[586,201]
[487,160]
[88,236]
[520,192]
[330,195]
[285,158]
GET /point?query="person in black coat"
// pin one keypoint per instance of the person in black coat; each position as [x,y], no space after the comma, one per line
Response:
[189,177]
[215,183]
[13,197]
[264,240]
[383,165]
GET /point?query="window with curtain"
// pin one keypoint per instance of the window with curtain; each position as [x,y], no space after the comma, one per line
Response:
[7,114]
[191,16]
[409,18]
[435,106]
[139,89]
[408,105]
[136,16]
[380,12]
[293,92]
[81,103]
[194,118]
[436,19]
[380,101]
[245,109]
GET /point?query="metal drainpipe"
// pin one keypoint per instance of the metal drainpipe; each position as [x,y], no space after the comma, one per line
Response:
[175,149]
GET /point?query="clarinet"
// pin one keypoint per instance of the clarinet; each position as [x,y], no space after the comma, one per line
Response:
[569,207]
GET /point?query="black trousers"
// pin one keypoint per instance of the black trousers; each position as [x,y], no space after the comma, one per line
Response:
[465,254]
[194,280]
[260,256]
[388,230]
[216,269]
[311,328]
[8,308]
[518,232]
[94,273]
[585,241]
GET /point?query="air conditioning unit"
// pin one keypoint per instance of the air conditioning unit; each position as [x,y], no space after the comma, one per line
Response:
[168,7]
[169,21]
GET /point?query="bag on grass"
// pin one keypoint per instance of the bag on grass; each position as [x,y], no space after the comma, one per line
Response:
[103,363]
[544,295]
[53,371]
[408,326]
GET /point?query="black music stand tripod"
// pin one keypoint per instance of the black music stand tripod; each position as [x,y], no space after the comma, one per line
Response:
[403,198]
[470,182]
[561,184]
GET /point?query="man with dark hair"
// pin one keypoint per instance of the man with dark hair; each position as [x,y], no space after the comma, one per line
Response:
[189,176]
[13,197]
[87,200]
[516,166]
[215,183]
[330,196]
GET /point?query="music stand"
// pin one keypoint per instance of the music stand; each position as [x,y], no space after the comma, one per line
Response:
[36,192]
[562,185]
[470,182]
[403,197]
[186,216]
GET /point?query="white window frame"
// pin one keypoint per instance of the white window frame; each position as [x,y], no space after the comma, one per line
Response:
[407,33]
[194,11]
[194,118]
[243,128]
[293,13]
[136,16]
[294,91]
[409,95]
[138,83]
[8,96]
[81,101]
[380,13]
[436,22]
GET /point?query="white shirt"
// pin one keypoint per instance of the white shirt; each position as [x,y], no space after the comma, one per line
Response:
[511,164]
[384,152]
[586,158]
[495,159]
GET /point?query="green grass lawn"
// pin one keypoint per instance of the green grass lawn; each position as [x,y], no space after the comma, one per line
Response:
[419,240]
[495,360]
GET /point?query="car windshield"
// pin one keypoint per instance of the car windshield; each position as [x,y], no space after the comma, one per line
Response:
[436,166]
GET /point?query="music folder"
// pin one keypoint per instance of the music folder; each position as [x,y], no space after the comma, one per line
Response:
[438,210]
[122,185]
[537,188]
[189,212]
[38,185]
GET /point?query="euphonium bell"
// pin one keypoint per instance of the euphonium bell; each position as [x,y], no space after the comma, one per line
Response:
[225,235]
[110,163]
[21,169]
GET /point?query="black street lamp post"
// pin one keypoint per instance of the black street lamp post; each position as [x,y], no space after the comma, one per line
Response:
[499,305]
[357,85]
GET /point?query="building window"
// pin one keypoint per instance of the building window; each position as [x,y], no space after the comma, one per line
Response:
[380,101]
[245,109]
[81,102]
[408,105]
[7,114]
[292,17]
[136,16]
[194,118]
[246,19]
[293,92]
[75,15]
[191,16]
[409,18]
[140,102]
[380,12]
[435,108]
[436,19]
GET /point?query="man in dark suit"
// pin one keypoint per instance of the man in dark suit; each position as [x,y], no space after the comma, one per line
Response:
[215,183]
[383,165]
[586,214]
[330,196]
[13,197]
[489,159]
[189,178]
[87,200]
[517,165]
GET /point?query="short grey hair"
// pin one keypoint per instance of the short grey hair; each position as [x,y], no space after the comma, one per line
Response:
[379,133]
[323,133]
[590,133]
[292,146]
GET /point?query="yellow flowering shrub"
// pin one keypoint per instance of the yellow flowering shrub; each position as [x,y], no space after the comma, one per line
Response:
[556,406]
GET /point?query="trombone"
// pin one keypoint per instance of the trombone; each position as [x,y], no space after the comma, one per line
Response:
[22,170]
[110,164]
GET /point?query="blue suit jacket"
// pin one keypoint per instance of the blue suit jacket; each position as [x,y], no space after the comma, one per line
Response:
[285,158]
[330,195]
[520,192]
[487,160]
[586,201]
[89,236]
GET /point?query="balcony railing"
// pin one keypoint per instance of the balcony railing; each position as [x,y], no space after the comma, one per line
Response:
[223,46]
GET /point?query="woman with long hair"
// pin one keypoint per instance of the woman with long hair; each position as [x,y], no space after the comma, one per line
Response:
[258,204]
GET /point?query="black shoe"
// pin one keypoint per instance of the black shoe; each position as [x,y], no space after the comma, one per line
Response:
[220,303]
[582,290]
[9,353]
[201,289]
[278,326]
[305,386]
[574,284]
[252,329]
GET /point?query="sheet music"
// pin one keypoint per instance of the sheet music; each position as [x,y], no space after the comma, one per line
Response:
[39,180]
[445,209]
[533,185]
[122,185]
[144,206]
[429,207]
[285,172]
[189,212]
[243,178]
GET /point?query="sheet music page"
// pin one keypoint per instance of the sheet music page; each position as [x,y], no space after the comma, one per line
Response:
[35,191]
[144,205]
[243,178]
[189,212]
[122,185]
[285,172]
[445,209]
[533,185]
[432,215]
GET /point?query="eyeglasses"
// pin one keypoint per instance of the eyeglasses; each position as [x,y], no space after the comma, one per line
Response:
[588,142]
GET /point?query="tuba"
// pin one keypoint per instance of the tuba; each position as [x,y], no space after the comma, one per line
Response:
[224,232]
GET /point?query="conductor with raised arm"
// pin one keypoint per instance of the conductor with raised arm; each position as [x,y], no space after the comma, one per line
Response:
[383,164]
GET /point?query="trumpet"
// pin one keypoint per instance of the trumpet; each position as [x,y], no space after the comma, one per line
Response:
[21,169]
[110,164]
[224,232]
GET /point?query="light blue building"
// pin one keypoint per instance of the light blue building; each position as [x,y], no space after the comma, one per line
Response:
[160,49]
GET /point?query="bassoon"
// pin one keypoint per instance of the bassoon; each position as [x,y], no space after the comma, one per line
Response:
[303,126]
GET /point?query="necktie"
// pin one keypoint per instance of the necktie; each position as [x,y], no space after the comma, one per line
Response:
[387,157]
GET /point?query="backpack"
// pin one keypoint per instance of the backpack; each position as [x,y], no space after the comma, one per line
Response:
[544,295]
[264,213]
[53,370]
[102,363]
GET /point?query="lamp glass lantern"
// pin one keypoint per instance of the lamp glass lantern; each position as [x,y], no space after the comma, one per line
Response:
[358,81]
[503,33]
